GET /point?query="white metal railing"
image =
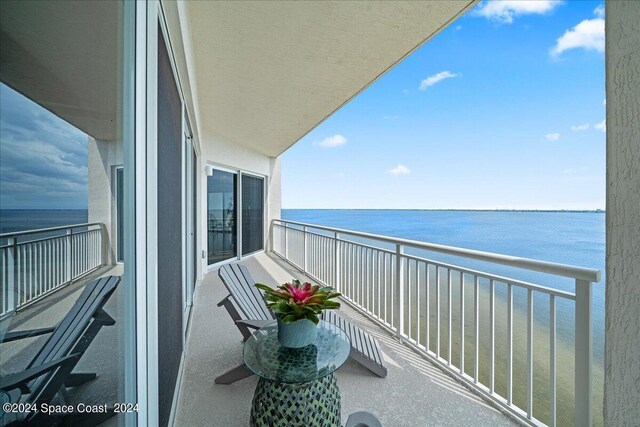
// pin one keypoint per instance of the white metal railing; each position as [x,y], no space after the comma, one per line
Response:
[35,263]
[404,294]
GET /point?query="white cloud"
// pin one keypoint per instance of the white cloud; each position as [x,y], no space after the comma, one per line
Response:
[332,141]
[505,11]
[458,27]
[599,11]
[601,126]
[588,34]
[400,170]
[579,128]
[431,80]
[552,136]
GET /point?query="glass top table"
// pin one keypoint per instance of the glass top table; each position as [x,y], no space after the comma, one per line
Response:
[264,355]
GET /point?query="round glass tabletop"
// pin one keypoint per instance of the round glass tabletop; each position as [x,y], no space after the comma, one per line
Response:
[264,355]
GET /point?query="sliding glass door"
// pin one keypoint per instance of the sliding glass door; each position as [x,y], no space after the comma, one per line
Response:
[222,230]
[252,214]
[235,215]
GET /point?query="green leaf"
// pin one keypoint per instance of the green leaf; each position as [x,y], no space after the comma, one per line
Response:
[288,319]
[313,318]
[264,287]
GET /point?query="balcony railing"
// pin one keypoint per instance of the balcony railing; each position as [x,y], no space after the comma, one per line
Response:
[404,294]
[35,263]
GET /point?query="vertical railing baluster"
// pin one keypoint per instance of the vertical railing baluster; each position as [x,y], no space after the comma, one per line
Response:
[379,282]
[437,311]
[492,336]
[399,290]
[367,280]
[386,302]
[552,360]
[476,327]
[418,322]
[336,262]
[408,310]
[461,323]
[529,353]
[427,276]
[509,343]
[449,311]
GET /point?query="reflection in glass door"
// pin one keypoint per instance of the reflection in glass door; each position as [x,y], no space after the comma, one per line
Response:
[222,227]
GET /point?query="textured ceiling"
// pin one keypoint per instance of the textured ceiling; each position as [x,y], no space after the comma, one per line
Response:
[269,72]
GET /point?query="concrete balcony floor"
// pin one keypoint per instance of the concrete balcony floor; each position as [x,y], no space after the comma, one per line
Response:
[415,393]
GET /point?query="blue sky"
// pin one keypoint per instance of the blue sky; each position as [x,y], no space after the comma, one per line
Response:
[504,109]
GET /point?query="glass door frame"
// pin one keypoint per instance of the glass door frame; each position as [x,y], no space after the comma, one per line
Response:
[239,173]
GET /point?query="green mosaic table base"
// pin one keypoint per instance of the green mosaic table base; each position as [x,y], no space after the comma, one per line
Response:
[311,404]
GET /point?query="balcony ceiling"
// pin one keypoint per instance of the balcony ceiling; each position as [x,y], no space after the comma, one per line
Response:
[269,72]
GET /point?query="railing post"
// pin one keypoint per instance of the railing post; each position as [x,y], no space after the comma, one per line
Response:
[286,245]
[583,354]
[69,256]
[399,291]
[12,273]
[336,261]
[271,235]
[105,253]
[304,249]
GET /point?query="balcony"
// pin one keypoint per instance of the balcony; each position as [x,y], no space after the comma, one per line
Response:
[423,312]
[414,393]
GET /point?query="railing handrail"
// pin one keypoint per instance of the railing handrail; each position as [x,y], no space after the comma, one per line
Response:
[49,229]
[575,272]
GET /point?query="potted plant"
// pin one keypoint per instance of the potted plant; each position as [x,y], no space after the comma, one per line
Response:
[297,308]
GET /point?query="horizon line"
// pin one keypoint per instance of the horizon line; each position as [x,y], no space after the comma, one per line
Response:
[447,209]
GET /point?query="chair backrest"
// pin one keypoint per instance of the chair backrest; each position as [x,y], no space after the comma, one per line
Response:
[67,338]
[242,289]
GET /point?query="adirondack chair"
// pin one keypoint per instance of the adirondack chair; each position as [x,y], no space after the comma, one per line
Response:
[248,310]
[50,372]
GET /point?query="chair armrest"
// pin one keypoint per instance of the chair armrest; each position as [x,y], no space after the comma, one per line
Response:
[20,379]
[224,300]
[254,324]
[18,335]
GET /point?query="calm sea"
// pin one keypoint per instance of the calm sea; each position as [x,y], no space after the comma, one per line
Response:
[12,220]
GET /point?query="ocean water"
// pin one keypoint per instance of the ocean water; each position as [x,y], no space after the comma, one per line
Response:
[12,220]
[575,238]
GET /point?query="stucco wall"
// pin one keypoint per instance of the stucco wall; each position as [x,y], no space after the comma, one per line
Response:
[103,157]
[622,348]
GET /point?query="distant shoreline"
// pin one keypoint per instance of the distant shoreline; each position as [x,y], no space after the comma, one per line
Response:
[451,210]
